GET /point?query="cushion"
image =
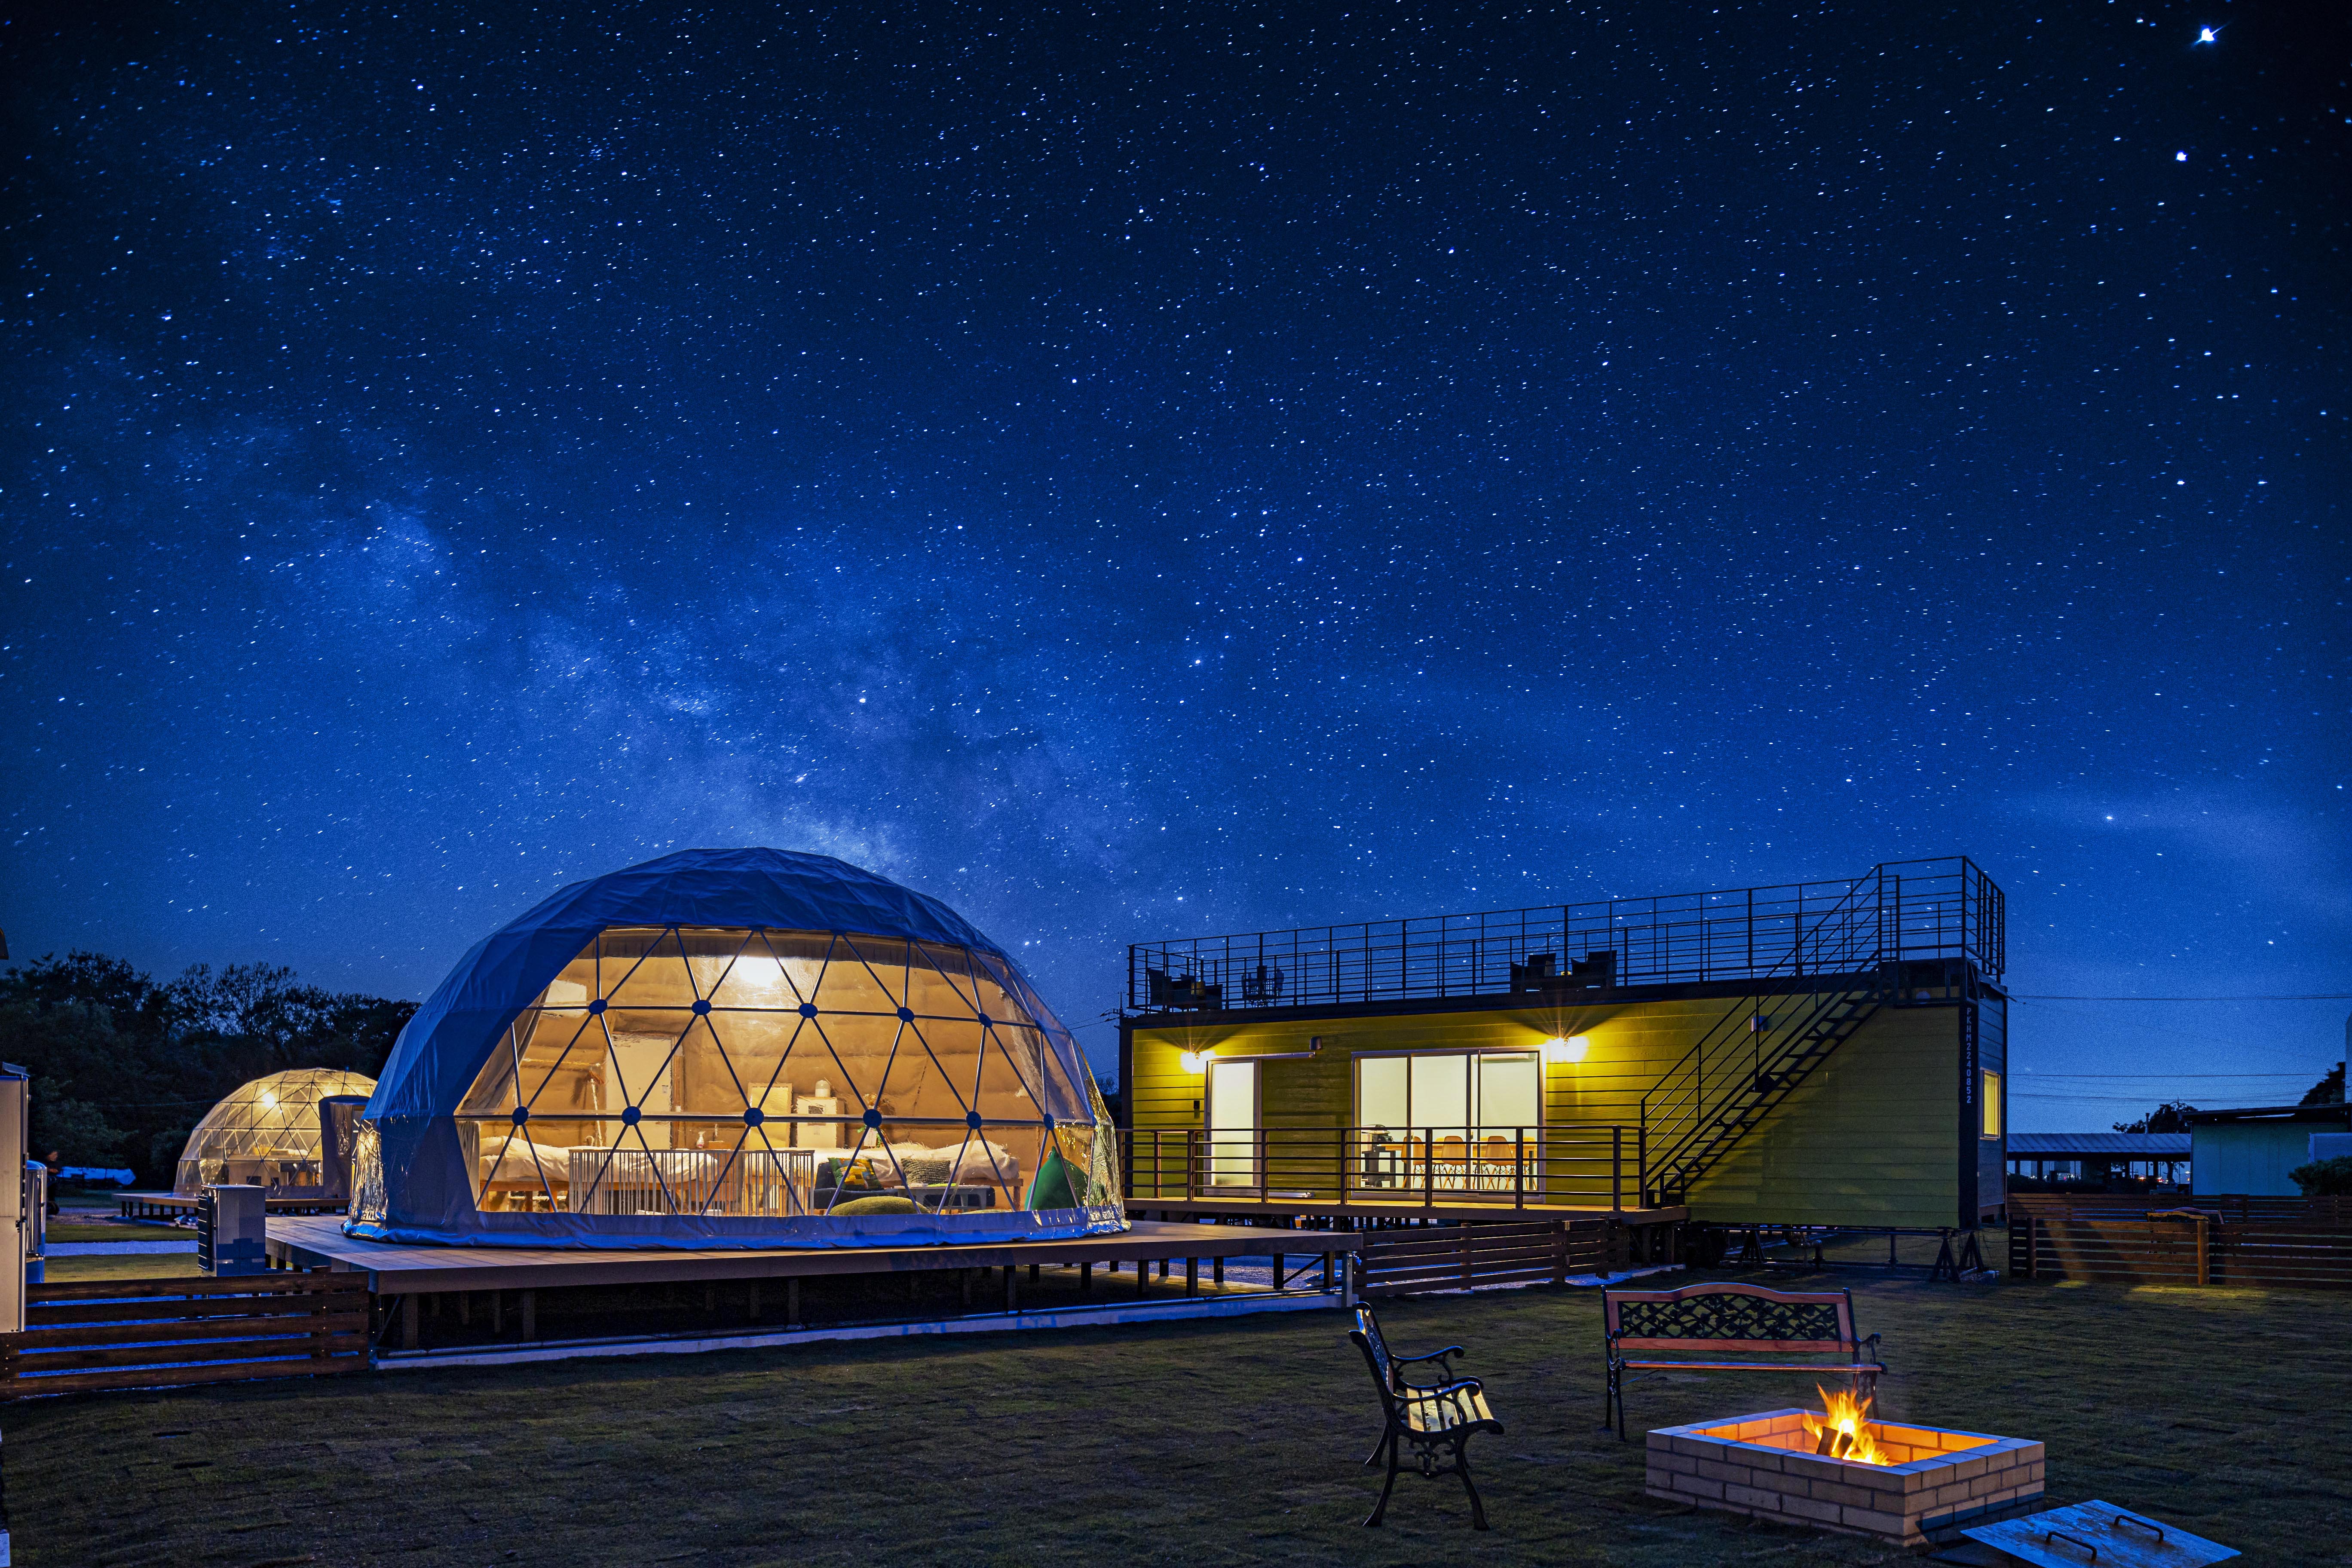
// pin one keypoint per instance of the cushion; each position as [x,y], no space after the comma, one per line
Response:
[1059,1184]
[879,1205]
[863,1171]
[974,1163]
[513,1159]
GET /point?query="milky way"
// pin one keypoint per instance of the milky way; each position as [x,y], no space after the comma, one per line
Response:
[1137,476]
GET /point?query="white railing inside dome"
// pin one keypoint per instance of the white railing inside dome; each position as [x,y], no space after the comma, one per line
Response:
[1936,909]
[853,1120]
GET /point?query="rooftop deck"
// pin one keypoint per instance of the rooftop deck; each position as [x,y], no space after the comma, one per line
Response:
[1912,910]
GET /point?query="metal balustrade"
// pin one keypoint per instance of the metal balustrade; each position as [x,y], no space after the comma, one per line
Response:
[1945,908]
[765,1182]
[1583,1165]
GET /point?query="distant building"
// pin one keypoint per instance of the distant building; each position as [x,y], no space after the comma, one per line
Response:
[2098,1156]
[2250,1150]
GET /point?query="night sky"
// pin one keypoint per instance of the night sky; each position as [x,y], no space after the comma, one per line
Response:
[1153,472]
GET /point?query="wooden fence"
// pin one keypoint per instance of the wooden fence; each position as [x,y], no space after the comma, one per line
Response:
[2304,1243]
[155,1334]
[1459,1257]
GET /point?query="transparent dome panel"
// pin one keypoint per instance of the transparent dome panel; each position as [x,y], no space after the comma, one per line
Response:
[717,1071]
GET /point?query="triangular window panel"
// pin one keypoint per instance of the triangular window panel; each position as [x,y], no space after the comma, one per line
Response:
[755,1073]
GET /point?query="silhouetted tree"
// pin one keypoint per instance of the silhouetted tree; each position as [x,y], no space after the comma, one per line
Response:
[122,1067]
[2170,1116]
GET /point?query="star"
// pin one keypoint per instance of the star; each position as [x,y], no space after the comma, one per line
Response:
[2208,35]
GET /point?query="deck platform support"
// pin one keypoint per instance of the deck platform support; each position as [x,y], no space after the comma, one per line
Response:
[411,1281]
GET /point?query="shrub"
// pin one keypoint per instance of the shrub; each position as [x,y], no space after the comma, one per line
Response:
[2325,1178]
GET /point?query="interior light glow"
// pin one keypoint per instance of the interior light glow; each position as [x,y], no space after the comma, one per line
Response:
[1570,1049]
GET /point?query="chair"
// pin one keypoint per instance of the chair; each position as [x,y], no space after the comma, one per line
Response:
[1432,1417]
[1595,969]
[1496,1156]
[1453,1161]
[1535,972]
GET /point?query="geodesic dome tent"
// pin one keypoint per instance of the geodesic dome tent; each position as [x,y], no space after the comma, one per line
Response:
[267,1132]
[744,1047]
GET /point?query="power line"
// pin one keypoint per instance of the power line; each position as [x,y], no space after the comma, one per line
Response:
[2037,1076]
[2086,1098]
[2313,996]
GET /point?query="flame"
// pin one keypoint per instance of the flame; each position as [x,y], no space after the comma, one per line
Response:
[1844,1431]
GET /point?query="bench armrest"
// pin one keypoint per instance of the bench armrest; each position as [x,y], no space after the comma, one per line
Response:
[1444,1368]
[1868,1350]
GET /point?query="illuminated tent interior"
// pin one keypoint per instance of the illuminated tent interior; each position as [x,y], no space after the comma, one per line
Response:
[266,1133]
[741,1048]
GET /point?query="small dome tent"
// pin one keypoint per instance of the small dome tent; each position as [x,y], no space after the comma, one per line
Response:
[266,1133]
[735,1047]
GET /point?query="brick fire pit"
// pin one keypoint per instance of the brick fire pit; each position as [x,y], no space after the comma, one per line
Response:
[1765,1466]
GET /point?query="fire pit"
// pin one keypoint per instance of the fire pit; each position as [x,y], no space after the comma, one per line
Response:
[1845,1472]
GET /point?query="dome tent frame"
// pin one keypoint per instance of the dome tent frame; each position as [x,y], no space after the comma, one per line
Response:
[265,1131]
[447,1150]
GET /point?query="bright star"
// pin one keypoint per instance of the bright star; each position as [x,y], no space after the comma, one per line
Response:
[2209,35]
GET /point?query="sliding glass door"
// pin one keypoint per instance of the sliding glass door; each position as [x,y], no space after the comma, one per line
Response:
[1448,1120]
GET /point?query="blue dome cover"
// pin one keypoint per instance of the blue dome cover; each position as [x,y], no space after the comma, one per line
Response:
[423,1142]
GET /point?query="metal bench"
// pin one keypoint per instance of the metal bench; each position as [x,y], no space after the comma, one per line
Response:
[1435,1417]
[1699,1323]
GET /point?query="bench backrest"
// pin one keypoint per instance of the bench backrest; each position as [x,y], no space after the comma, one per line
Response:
[1367,1335]
[1723,1315]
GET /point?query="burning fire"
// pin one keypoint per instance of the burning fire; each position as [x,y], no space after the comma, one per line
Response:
[1844,1431]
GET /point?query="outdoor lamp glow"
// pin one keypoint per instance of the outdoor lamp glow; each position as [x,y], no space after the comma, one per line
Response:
[1570,1049]
[1194,1061]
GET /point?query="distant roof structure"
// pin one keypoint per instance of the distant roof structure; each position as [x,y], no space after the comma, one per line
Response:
[2098,1146]
[2328,1114]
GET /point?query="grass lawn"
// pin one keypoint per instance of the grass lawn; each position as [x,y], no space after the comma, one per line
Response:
[116,1230]
[1195,1443]
[119,1265]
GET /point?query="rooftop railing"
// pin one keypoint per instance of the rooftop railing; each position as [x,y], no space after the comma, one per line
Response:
[1945,908]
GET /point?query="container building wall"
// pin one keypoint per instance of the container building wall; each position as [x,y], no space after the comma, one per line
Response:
[1874,1137]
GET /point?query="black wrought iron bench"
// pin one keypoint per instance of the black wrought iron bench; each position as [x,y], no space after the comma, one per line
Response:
[1697,1325]
[1432,1417]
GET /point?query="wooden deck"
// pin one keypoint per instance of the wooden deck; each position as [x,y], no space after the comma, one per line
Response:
[1465,1210]
[398,1268]
[180,1206]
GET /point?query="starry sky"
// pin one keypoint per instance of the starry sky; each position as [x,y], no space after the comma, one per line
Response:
[1151,471]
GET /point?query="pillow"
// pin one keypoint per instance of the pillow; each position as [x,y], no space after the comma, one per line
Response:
[867,1172]
[928,1170]
[984,1161]
[877,1206]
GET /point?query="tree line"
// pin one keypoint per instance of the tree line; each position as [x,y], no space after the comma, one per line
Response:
[2173,1115]
[123,1065]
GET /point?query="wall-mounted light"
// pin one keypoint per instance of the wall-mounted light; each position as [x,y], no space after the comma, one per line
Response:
[1570,1049]
[1194,1061]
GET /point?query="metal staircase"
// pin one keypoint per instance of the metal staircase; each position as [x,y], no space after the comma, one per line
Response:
[1742,1069]
[1772,1040]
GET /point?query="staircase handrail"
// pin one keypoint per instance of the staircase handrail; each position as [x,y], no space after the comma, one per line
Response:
[1668,1144]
